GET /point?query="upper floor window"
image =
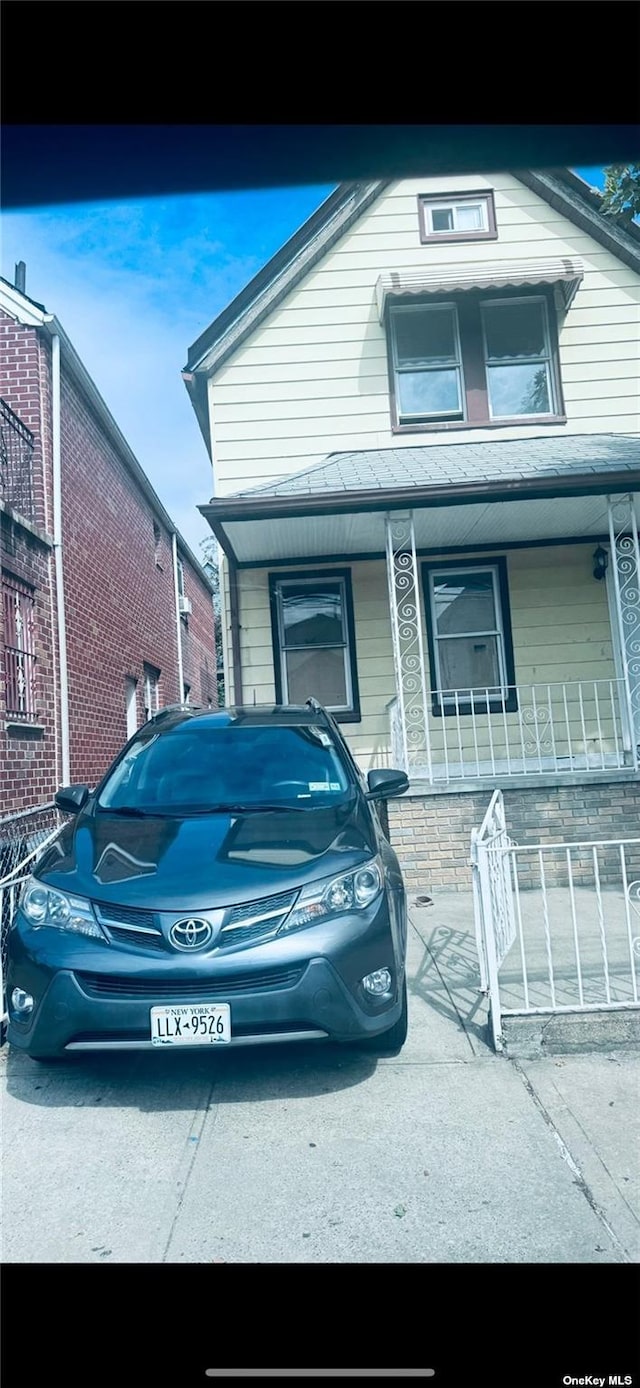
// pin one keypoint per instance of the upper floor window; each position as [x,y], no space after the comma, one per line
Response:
[157,543]
[180,571]
[313,637]
[473,361]
[18,602]
[457,217]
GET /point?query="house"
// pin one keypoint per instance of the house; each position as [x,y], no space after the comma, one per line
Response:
[423,417]
[107,614]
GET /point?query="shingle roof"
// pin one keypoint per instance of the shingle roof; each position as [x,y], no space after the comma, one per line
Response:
[456,463]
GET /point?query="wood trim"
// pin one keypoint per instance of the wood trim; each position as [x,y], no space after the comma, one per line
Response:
[430,237]
[508,705]
[352,715]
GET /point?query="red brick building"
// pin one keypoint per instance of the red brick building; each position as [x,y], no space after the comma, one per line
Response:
[106,612]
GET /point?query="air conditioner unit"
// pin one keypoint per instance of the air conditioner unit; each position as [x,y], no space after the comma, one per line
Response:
[184,605]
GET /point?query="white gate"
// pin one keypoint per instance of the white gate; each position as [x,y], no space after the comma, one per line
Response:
[493,903]
[573,909]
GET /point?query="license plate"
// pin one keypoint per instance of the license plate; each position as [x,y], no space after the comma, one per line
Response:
[205,1024]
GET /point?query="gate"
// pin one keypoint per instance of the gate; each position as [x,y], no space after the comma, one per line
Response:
[493,903]
[23,836]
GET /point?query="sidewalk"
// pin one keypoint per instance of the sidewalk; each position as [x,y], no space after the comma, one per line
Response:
[447,1153]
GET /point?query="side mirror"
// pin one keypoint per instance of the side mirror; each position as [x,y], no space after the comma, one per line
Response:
[71,799]
[383,784]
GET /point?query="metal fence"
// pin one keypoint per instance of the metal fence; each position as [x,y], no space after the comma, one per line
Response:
[557,924]
[23,836]
[520,730]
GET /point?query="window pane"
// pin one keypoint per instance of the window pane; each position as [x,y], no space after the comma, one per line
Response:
[469,217]
[442,218]
[425,336]
[428,392]
[464,602]
[518,390]
[469,663]
[312,615]
[514,330]
[320,674]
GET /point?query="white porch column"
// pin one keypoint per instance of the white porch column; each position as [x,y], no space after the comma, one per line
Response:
[408,645]
[625,561]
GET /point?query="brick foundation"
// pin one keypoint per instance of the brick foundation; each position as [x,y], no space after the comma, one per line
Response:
[431,834]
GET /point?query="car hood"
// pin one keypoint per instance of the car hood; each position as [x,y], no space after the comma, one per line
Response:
[207,860]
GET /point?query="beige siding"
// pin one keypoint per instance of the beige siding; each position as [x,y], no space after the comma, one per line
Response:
[313,379]
[561,634]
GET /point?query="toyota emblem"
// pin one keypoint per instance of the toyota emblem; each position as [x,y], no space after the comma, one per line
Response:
[191,934]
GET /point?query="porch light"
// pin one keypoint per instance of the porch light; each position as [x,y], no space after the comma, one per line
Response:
[600,563]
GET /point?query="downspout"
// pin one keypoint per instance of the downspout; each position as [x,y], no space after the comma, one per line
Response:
[57,544]
[234,614]
[176,595]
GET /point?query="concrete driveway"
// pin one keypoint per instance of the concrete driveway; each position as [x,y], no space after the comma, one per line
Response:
[446,1153]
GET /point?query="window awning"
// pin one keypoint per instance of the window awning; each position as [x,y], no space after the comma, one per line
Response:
[566,273]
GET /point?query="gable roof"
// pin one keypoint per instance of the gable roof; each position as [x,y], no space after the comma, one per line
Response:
[32,314]
[561,188]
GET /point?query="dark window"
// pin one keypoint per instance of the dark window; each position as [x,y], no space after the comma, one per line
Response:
[474,361]
[157,536]
[151,690]
[314,642]
[18,603]
[469,635]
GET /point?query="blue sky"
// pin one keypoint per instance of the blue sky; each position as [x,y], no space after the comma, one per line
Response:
[135,283]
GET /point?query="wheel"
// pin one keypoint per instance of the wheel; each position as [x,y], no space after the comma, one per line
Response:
[391,1042]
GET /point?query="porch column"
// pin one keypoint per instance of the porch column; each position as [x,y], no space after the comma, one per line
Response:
[411,713]
[625,561]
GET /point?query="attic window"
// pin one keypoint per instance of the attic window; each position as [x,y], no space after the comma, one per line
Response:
[457,217]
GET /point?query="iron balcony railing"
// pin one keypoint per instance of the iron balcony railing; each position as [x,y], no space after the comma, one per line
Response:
[16,463]
[520,730]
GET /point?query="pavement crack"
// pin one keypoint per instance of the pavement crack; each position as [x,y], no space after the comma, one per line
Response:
[579,1179]
[192,1142]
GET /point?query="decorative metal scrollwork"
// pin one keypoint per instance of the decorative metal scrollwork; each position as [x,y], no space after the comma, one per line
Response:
[408,645]
[625,551]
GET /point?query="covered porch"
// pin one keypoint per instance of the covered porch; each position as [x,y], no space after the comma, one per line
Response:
[495,611]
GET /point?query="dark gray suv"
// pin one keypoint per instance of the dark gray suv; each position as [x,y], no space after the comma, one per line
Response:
[229,882]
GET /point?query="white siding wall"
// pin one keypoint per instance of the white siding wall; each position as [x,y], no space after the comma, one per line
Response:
[313,379]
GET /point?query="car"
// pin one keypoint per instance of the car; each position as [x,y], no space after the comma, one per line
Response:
[228,883]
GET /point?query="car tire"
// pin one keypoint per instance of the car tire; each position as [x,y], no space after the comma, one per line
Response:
[391,1042]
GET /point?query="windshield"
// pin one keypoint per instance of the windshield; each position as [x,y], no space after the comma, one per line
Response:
[192,769]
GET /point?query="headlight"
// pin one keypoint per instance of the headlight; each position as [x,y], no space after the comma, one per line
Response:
[335,895]
[44,906]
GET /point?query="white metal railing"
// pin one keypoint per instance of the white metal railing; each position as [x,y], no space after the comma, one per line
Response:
[23,836]
[558,925]
[519,730]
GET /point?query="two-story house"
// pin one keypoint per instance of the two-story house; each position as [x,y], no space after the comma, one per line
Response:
[423,419]
[106,612]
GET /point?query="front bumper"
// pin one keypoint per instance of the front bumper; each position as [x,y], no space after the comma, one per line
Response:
[304,986]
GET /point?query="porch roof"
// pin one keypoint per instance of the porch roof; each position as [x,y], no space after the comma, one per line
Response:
[512,490]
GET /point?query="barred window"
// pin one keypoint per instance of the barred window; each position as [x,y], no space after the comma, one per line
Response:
[18,602]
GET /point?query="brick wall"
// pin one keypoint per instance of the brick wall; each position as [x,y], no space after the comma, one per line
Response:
[432,834]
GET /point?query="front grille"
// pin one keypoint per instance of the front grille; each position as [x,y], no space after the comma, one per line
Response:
[126,915]
[141,940]
[191,990]
[263,919]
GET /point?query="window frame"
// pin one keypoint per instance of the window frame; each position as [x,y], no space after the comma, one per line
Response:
[351,712]
[426,202]
[25,650]
[474,368]
[395,310]
[509,361]
[150,687]
[497,565]
[180,576]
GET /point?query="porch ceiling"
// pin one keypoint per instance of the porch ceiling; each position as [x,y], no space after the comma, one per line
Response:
[496,523]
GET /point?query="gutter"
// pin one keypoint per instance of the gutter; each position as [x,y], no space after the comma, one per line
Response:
[59,568]
[252,508]
[176,600]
